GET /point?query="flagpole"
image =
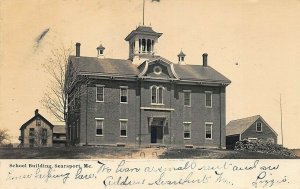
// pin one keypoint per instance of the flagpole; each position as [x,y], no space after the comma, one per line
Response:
[143,11]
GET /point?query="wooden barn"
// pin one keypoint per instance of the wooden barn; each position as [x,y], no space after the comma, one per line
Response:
[252,128]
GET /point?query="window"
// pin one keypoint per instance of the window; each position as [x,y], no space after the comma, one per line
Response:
[160,95]
[258,127]
[143,45]
[156,95]
[38,121]
[123,128]
[187,130]
[100,93]
[157,70]
[187,98]
[99,126]
[44,137]
[123,94]
[208,130]
[31,132]
[31,142]
[252,139]
[208,99]
[149,45]
[153,95]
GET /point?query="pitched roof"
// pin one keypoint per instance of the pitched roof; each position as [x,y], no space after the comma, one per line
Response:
[34,118]
[126,68]
[107,65]
[199,72]
[59,129]
[240,125]
[181,54]
[143,30]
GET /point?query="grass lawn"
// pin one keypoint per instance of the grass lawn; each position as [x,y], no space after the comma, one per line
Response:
[90,152]
[217,154]
[83,152]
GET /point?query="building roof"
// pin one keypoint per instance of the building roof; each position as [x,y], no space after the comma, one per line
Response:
[101,47]
[59,129]
[181,54]
[199,73]
[240,125]
[34,118]
[108,66]
[146,30]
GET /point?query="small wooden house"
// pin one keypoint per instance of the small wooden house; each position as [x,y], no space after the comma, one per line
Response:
[36,132]
[252,128]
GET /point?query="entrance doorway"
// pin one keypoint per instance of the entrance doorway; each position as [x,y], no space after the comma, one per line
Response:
[157,129]
[156,134]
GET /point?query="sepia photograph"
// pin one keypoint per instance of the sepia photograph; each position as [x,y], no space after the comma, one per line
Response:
[164,81]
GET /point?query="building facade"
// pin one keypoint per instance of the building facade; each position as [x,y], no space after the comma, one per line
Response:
[36,132]
[253,128]
[146,99]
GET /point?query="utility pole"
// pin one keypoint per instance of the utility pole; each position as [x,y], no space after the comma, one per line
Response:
[281,120]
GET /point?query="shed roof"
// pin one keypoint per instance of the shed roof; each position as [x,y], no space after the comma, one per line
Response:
[238,126]
[59,129]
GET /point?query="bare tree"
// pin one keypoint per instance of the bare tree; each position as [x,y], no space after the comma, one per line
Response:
[63,93]
[4,136]
[55,99]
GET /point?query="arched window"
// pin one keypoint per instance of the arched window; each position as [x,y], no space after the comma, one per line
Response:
[156,95]
[153,95]
[143,45]
[133,47]
[140,45]
[152,45]
[149,46]
[160,95]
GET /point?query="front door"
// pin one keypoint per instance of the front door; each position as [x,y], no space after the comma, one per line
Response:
[157,134]
[153,134]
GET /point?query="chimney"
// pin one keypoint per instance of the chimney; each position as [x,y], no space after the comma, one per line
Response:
[78,49]
[36,112]
[205,59]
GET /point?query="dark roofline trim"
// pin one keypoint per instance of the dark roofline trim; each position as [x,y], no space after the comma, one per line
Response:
[147,78]
[33,118]
[134,32]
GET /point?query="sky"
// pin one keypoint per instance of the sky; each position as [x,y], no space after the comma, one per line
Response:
[255,43]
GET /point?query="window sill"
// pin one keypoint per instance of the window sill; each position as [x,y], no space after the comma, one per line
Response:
[259,131]
[123,136]
[188,106]
[123,102]
[99,135]
[187,138]
[208,106]
[208,138]
[99,101]
[155,104]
